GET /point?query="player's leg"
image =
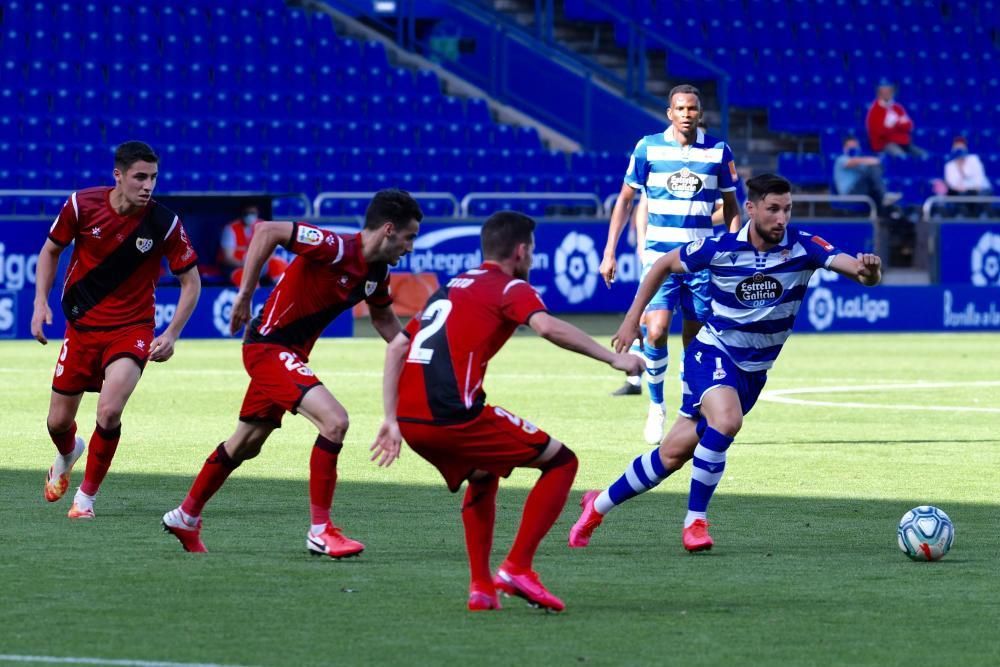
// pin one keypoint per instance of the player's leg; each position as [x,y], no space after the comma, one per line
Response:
[658,319]
[545,502]
[644,473]
[479,508]
[633,383]
[184,522]
[120,379]
[61,424]
[320,407]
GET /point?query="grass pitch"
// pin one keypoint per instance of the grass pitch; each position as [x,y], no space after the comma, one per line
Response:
[805,570]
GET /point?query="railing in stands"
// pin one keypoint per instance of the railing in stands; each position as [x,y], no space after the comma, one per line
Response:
[584,197]
[323,197]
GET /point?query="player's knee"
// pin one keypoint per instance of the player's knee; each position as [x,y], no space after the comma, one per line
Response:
[656,334]
[58,424]
[109,416]
[563,458]
[673,458]
[335,427]
[728,424]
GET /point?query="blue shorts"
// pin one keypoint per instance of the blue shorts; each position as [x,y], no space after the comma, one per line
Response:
[686,291]
[707,367]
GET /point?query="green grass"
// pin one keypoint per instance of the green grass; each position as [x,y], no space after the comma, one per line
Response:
[805,569]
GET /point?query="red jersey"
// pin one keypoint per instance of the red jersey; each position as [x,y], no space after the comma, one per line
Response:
[116,259]
[329,276]
[462,327]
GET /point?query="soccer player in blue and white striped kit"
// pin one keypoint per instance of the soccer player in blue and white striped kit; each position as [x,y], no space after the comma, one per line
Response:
[759,277]
[683,171]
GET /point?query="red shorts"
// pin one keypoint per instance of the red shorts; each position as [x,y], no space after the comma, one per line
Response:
[85,355]
[278,382]
[496,441]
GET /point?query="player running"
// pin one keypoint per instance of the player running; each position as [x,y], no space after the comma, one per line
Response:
[758,280]
[330,274]
[682,171]
[433,395]
[120,236]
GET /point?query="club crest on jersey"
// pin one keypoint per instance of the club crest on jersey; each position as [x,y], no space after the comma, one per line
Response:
[343,280]
[694,246]
[370,286]
[309,235]
[684,183]
[759,291]
[143,245]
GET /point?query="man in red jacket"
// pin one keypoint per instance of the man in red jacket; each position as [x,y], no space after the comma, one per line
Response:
[889,126]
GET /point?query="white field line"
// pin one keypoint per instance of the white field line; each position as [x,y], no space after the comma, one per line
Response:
[54,660]
[784,396]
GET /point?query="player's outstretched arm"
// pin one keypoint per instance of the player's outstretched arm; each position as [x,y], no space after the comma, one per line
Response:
[45,275]
[385,322]
[629,329]
[162,347]
[619,218]
[569,337]
[388,439]
[866,268]
[267,235]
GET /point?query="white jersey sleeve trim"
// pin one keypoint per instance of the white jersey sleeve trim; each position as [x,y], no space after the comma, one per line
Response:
[171,230]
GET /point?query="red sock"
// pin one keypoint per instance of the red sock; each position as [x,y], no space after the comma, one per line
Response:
[103,444]
[542,508]
[65,441]
[478,515]
[213,475]
[322,478]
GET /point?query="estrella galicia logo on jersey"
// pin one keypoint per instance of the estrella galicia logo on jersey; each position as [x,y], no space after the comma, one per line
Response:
[694,246]
[759,291]
[309,235]
[684,183]
[143,245]
[370,286]
[821,308]
[985,261]
[576,265]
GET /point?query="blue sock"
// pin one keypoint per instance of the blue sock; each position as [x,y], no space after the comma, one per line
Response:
[656,368]
[644,473]
[708,464]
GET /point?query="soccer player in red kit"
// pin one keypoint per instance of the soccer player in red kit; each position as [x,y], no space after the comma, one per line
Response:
[330,275]
[120,236]
[434,398]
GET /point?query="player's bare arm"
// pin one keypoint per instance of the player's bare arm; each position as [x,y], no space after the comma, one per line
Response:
[385,322]
[162,347]
[267,236]
[865,269]
[388,439]
[569,337]
[619,218]
[629,329]
[731,211]
[45,275]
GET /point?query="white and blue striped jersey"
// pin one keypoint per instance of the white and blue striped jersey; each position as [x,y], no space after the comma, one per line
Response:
[681,184]
[755,295]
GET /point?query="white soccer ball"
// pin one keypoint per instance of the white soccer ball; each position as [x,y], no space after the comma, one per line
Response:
[925,533]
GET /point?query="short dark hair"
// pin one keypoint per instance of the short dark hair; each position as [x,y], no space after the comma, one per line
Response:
[761,186]
[850,137]
[503,231]
[130,152]
[683,89]
[393,205]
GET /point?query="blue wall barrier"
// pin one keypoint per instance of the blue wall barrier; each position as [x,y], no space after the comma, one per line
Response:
[969,253]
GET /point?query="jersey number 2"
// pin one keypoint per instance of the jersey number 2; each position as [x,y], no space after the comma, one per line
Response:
[435,316]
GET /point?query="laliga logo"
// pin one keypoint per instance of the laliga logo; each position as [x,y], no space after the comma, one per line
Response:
[986,261]
[576,265]
[222,311]
[821,308]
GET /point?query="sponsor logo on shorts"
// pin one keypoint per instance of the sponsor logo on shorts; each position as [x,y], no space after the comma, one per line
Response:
[309,235]
[718,374]
[370,286]
[759,291]
[684,183]
[59,370]
[143,245]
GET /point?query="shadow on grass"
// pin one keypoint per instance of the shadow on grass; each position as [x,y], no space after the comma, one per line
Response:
[785,572]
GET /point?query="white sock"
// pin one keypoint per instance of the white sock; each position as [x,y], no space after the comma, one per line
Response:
[83,501]
[317,528]
[63,462]
[188,520]
[694,516]
[634,380]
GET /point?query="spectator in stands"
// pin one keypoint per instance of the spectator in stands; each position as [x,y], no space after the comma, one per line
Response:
[964,175]
[889,126]
[234,243]
[857,174]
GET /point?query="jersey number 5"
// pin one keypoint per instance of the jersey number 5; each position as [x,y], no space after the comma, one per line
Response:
[433,318]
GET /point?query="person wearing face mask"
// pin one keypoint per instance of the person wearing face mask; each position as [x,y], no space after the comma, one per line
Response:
[233,248]
[857,174]
[964,175]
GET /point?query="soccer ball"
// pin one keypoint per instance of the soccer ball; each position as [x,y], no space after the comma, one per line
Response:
[925,533]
